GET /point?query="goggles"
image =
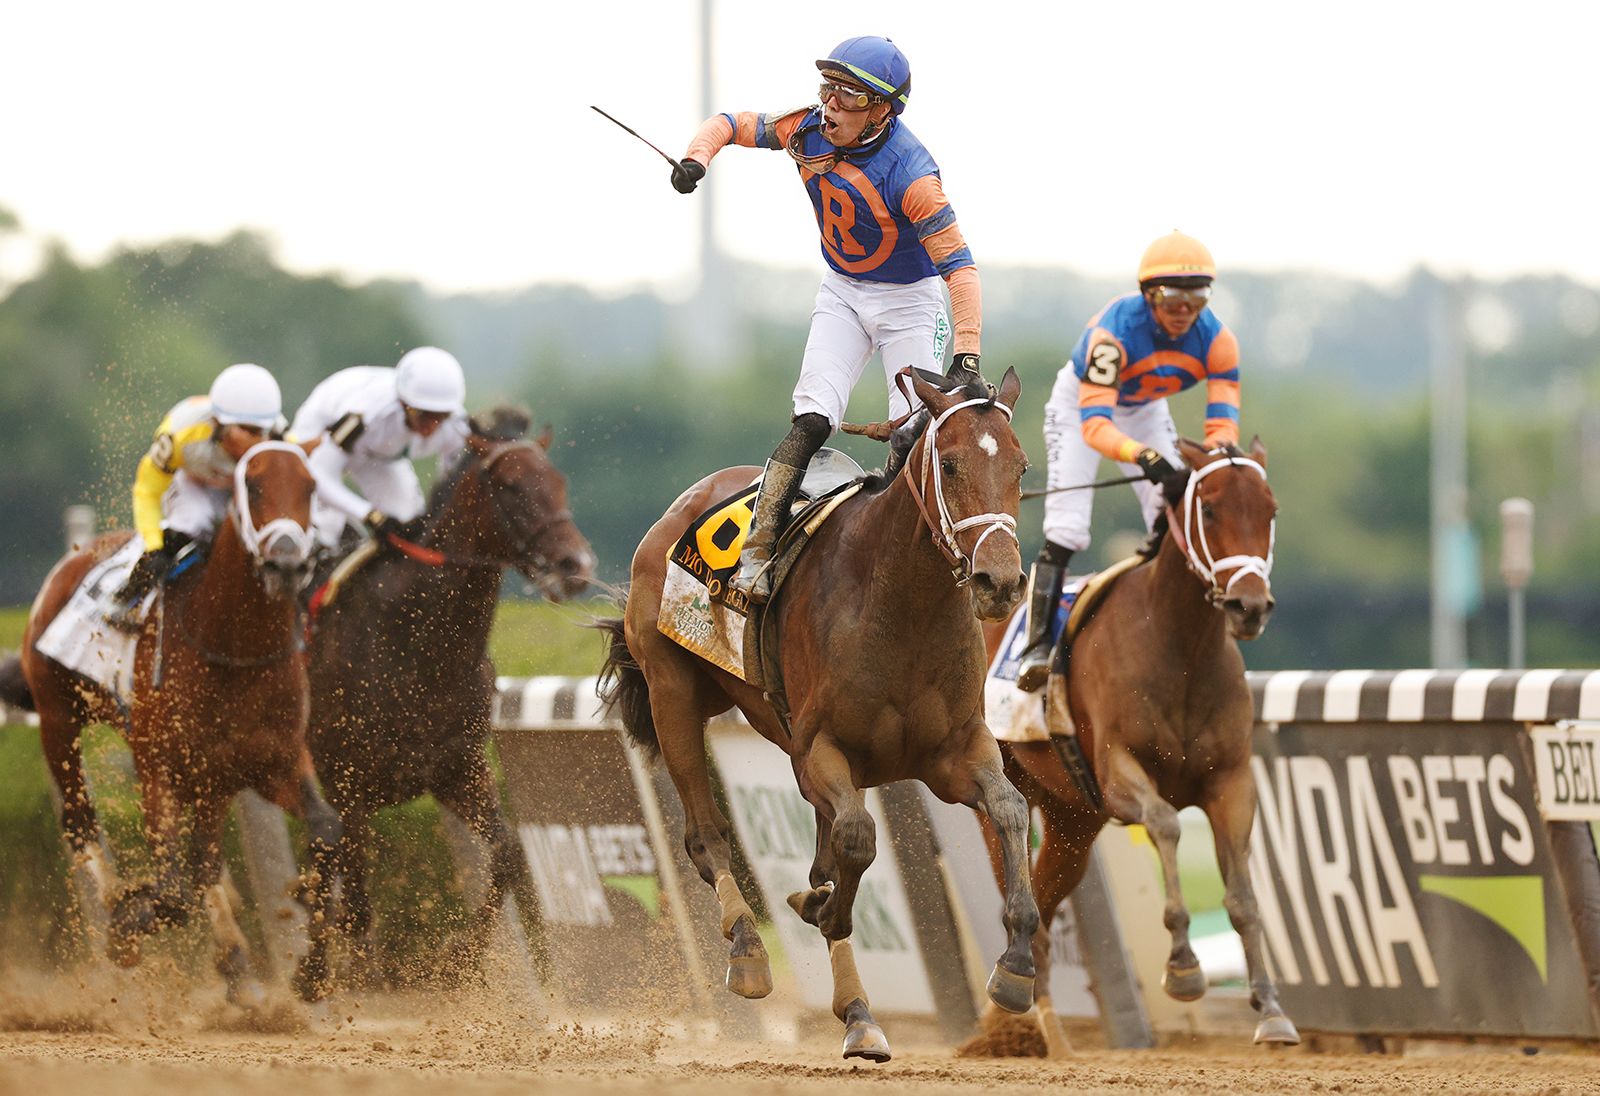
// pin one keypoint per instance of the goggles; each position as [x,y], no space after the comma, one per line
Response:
[850,98]
[1172,296]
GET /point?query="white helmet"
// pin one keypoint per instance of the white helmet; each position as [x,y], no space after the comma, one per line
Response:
[246,394]
[430,379]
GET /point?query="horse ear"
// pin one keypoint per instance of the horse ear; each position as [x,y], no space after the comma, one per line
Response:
[934,398]
[1194,454]
[1258,452]
[547,436]
[1010,388]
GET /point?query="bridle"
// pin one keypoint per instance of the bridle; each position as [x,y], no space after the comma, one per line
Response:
[945,529]
[255,540]
[523,548]
[1191,535]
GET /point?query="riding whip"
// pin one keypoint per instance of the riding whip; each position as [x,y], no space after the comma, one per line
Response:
[636,133]
[1040,492]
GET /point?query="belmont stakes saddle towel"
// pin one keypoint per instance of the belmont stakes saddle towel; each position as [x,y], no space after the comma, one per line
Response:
[1016,716]
[81,639]
[698,611]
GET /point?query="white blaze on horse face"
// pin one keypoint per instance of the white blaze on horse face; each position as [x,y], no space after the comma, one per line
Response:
[988,444]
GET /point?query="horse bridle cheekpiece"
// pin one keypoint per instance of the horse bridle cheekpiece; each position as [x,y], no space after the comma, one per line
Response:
[255,540]
[944,532]
[1198,548]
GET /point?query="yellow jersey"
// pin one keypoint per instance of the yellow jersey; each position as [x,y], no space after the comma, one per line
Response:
[185,440]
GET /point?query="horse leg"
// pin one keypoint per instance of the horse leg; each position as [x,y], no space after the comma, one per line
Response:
[233,952]
[140,910]
[475,800]
[1063,857]
[60,726]
[302,797]
[1131,796]
[350,867]
[847,841]
[1231,808]
[680,730]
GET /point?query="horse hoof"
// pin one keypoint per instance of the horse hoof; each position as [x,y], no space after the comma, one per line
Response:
[310,982]
[865,1039]
[1277,1031]
[1188,984]
[1012,992]
[749,976]
[123,950]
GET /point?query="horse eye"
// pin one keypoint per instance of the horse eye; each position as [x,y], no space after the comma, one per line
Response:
[947,466]
[1205,509]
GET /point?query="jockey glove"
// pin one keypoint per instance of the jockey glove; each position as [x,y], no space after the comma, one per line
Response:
[967,363]
[687,175]
[380,525]
[1155,467]
[152,567]
[1055,555]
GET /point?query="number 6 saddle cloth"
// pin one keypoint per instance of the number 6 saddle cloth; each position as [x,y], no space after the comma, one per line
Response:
[698,610]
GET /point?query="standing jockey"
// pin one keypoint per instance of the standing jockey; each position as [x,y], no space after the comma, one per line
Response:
[184,482]
[372,421]
[888,235]
[1109,401]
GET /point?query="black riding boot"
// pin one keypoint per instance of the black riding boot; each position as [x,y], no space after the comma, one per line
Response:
[1046,592]
[780,485]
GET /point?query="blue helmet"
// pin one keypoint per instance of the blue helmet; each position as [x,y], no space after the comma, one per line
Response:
[877,64]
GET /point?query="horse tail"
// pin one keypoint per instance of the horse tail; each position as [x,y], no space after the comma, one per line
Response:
[13,686]
[623,688]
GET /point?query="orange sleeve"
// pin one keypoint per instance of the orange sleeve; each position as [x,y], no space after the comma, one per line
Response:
[1222,390]
[930,214]
[1097,397]
[747,128]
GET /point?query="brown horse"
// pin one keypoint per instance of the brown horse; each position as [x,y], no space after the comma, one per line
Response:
[1156,689]
[401,685]
[218,705]
[882,662]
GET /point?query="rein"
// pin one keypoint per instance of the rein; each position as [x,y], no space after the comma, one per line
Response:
[1190,535]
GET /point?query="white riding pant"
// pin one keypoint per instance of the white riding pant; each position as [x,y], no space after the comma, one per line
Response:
[906,324]
[191,508]
[390,486]
[1074,461]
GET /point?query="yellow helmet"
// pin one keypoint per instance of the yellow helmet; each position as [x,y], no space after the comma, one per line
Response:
[1176,256]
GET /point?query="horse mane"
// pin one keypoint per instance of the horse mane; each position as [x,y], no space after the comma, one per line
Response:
[1173,488]
[506,422]
[877,480]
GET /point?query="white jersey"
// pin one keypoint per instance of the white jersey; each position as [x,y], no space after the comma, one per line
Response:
[362,424]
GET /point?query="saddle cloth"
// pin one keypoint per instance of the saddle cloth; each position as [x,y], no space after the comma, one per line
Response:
[80,638]
[1016,716]
[698,610]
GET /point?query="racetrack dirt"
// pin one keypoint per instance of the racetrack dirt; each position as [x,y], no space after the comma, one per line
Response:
[425,1045]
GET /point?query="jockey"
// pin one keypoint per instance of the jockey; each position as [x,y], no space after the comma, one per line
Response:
[1109,400]
[372,421]
[888,235]
[184,482]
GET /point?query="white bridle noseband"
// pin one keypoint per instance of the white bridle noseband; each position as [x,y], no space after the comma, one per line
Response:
[255,540]
[945,537]
[1197,547]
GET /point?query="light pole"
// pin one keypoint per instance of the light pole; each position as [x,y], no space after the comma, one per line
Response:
[1516,567]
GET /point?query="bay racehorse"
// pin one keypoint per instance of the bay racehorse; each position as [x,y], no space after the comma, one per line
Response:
[1156,691]
[218,705]
[882,663]
[401,683]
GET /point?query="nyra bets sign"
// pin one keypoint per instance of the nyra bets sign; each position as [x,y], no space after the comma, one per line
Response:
[1405,883]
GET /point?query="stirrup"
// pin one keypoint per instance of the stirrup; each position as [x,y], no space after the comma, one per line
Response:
[753,579]
[1033,671]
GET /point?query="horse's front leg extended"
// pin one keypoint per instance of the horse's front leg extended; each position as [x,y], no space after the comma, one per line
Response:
[142,909]
[846,846]
[1231,807]
[302,797]
[1132,797]
[1011,984]
[232,951]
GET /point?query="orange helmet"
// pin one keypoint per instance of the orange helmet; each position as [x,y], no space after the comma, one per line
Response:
[1176,256]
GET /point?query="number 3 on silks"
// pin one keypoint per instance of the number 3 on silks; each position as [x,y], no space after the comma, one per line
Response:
[1105,362]
[722,534]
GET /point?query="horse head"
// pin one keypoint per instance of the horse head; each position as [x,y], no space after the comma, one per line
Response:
[513,503]
[966,475]
[272,492]
[1225,520]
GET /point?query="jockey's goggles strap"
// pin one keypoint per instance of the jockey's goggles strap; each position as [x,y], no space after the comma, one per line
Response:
[255,539]
[1197,547]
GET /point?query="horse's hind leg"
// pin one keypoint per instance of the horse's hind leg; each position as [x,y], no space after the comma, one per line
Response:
[475,801]
[167,900]
[680,730]
[1231,808]
[233,952]
[60,725]
[1131,796]
[302,797]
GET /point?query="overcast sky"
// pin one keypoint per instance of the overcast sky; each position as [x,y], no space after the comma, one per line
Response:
[454,144]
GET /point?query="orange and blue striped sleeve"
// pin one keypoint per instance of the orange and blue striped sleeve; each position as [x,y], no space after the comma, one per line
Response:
[1222,390]
[747,128]
[1096,402]
[934,220]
